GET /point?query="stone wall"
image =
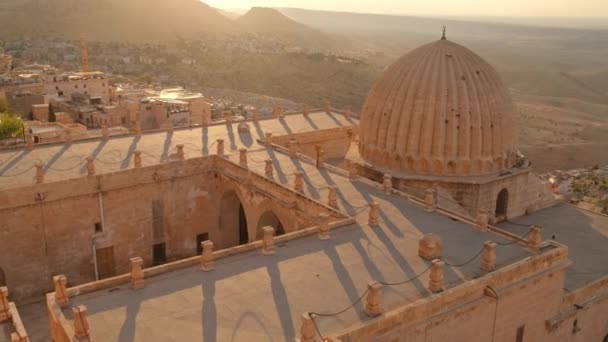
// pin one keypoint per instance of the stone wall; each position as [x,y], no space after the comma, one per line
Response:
[334,142]
[58,227]
[527,295]
[471,195]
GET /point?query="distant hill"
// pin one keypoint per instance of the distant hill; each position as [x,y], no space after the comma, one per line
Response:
[232,15]
[150,21]
[111,20]
[262,19]
[542,61]
[270,22]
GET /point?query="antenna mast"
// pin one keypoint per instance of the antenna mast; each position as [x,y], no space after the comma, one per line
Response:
[84,53]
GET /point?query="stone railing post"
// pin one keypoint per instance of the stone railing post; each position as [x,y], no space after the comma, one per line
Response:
[429,200]
[67,135]
[482,220]
[81,322]
[292,145]
[535,238]
[352,172]
[268,240]
[268,140]
[255,116]
[137,273]
[374,214]
[324,226]
[332,197]
[61,292]
[180,152]
[29,141]
[228,117]
[387,184]
[39,173]
[373,305]
[269,168]
[430,247]
[137,159]
[5,313]
[138,129]
[105,133]
[328,107]
[206,120]
[488,261]
[305,110]
[307,329]
[298,182]
[220,147]
[207,263]
[436,277]
[243,157]
[91,166]
[348,113]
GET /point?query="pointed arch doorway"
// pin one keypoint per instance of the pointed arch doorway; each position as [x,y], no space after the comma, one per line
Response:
[233,221]
[502,205]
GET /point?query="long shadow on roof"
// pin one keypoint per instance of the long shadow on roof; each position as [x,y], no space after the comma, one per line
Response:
[132,148]
[585,233]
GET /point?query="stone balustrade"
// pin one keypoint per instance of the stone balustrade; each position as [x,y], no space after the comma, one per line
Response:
[61,294]
[81,323]
[137,159]
[308,332]
[91,166]
[220,147]
[243,157]
[298,182]
[207,258]
[430,203]
[39,173]
[180,152]
[324,226]
[488,260]
[374,214]
[269,168]
[268,240]
[436,276]
[332,197]
[137,274]
[373,305]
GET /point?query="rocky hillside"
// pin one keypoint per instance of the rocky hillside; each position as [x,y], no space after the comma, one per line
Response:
[272,23]
[111,20]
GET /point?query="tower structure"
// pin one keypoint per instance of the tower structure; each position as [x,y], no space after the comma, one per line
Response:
[84,53]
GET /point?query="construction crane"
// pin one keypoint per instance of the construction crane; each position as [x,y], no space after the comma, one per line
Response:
[84,53]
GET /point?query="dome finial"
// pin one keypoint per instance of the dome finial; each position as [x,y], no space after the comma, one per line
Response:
[443,36]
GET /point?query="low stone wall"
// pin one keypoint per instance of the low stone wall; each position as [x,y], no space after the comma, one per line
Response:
[62,324]
[466,312]
[334,142]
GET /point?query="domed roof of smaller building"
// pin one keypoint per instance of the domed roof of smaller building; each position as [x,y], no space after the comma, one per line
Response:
[439,110]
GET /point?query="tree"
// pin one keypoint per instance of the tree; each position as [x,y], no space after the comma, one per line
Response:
[10,126]
[52,117]
[3,106]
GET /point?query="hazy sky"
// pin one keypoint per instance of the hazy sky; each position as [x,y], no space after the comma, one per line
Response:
[559,8]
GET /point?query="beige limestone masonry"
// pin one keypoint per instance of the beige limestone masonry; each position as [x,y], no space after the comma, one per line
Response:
[168,204]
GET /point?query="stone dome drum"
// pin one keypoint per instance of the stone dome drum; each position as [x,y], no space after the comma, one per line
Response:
[439,110]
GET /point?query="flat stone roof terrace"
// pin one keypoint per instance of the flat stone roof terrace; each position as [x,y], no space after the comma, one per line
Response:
[254,297]
[62,161]
[584,232]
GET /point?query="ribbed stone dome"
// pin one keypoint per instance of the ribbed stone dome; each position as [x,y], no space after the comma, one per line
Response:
[439,110]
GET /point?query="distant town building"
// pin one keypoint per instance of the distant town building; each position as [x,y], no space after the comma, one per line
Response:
[93,84]
[6,64]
